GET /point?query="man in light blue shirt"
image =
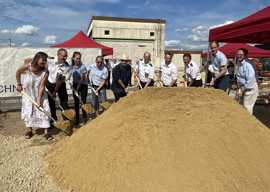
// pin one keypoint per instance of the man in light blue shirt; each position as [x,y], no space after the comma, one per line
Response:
[246,80]
[218,68]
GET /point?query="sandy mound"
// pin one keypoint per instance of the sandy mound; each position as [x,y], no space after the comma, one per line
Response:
[167,140]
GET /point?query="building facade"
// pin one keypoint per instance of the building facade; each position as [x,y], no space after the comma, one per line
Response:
[130,36]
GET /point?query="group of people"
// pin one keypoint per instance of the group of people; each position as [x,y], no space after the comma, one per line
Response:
[244,74]
[43,78]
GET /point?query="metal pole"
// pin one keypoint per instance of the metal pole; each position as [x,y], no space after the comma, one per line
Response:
[9,42]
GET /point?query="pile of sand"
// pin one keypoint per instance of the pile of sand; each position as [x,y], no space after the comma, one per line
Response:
[167,140]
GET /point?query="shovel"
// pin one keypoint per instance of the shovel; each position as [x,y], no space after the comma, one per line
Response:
[69,113]
[158,83]
[62,125]
[86,107]
[106,105]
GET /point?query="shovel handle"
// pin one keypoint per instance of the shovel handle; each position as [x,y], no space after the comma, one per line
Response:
[139,83]
[37,106]
[50,94]
[75,92]
[93,90]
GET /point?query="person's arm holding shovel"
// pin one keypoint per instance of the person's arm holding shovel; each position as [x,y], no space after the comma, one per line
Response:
[104,77]
[20,71]
[174,77]
[120,82]
[222,73]
[41,90]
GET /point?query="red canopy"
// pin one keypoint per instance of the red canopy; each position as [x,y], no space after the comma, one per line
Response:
[80,40]
[230,49]
[252,29]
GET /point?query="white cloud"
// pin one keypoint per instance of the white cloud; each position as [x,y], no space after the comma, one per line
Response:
[25,44]
[27,30]
[5,31]
[170,43]
[219,25]
[50,39]
[146,3]
[188,46]
[185,29]
[199,33]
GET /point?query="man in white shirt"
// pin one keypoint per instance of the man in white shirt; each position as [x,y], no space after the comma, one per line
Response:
[58,70]
[168,72]
[218,68]
[145,71]
[192,73]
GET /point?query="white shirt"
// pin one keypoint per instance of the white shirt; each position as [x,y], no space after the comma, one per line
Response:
[168,73]
[145,71]
[96,75]
[56,69]
[217,61]
[192,71]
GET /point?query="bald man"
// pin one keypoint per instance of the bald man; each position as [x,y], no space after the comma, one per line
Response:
[145,71]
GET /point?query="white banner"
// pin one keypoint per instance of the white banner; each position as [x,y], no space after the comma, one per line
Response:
[12,58]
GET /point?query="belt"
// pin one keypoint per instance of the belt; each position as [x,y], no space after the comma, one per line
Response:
[247,90]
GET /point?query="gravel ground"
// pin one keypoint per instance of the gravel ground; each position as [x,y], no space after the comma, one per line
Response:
[22,168]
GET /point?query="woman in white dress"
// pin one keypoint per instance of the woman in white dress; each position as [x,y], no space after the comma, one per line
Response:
[32,78]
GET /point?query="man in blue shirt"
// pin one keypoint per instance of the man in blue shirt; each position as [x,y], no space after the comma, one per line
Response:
[218,68]
[246,80]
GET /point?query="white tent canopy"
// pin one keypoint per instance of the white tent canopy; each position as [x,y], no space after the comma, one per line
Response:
[12,58]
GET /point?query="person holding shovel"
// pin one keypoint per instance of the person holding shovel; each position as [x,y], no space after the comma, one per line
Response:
[98,75]
[32,78]
[58,69]
[218,68]
[168,72]
[80,84]
[121,78]
[145,71]
[246,80]
[192,75]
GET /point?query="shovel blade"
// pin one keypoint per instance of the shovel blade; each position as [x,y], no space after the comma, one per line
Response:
[158,84]
[106,105]
[64,126]
[87,108]
[69,114]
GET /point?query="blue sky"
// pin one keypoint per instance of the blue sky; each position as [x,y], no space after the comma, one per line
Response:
[42,22]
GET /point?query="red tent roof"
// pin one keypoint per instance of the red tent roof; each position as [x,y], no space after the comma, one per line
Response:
[230,49]
[80,40]
[252,29]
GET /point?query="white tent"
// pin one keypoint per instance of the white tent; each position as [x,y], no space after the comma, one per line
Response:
[12,58]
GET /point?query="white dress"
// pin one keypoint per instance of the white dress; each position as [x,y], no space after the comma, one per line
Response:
[30,114]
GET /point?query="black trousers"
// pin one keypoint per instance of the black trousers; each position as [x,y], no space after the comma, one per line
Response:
[151,84]
[222,83]
[118,93]
[196,83]
[82,91]
[62,94]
